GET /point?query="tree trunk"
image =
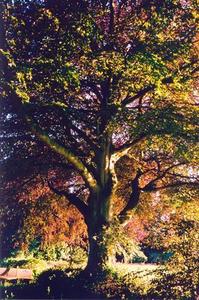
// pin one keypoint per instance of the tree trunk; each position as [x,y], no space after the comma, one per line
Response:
[98,254]
[98,224]
[100,214]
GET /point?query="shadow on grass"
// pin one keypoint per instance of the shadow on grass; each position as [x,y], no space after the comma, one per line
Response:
[58,284]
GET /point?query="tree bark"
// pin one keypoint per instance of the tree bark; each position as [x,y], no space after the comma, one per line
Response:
[98,223]
[98,254]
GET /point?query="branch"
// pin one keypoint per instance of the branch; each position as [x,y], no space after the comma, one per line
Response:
[93,87]
[67,154]
[133,200]
[61,107]
[111,22]
[83,135]
[20,186]
[151,87]
[141,93]
[173,185]
[73,199]
[151,184]
[126,147]
[183,176]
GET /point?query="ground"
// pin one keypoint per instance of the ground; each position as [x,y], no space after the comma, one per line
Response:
[121,280]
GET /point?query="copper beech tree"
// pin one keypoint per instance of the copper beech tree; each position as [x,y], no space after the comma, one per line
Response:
[88,84]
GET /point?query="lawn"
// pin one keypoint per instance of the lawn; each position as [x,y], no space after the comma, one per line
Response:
[137,276]
[143,268]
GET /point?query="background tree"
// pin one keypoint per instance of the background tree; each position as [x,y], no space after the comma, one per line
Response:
[85,84]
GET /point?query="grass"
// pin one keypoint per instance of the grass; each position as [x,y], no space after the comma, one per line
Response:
[132,278]
[137,276]
[145,272]
[135,267]
[38,265]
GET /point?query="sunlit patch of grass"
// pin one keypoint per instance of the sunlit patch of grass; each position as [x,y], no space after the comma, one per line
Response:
[137,277]
[143,268]
[37,264]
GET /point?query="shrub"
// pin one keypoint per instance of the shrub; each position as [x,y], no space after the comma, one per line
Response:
[180,278]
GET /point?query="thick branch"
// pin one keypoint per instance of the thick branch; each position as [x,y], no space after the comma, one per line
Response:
[126,147]
[141,93]
[184,176]
[62,108]
[133,200]
[172,185]
[151,87]
[73,199]
[151,184]
[111,23]
[67,154]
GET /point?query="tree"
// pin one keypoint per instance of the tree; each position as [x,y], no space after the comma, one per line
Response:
[32,214]
[89,83]
[178,212]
